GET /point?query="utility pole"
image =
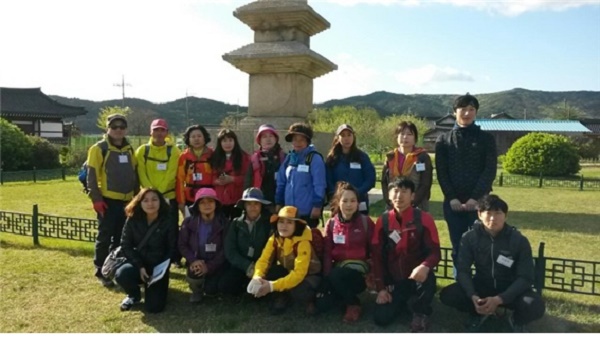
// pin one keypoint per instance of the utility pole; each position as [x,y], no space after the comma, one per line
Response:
[525,113]
[122,85]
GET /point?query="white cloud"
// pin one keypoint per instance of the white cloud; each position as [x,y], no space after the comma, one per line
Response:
[352,78]
[431,74]
[504,7]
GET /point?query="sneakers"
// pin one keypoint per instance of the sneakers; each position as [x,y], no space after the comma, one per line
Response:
[128,303]
[518,328]
[108,283]
[419,323]
[352,313]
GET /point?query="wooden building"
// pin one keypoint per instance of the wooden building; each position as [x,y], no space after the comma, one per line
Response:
[37,114]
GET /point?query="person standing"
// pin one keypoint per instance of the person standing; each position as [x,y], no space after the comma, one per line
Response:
[465,161]
[157,168]
[301,179]
[409,160]
[345,162]
[112,181]
[264,163]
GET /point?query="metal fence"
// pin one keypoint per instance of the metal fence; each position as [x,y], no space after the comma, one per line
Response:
[36,175]
[552,273]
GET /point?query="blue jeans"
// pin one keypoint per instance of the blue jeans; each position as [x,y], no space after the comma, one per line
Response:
[458,224]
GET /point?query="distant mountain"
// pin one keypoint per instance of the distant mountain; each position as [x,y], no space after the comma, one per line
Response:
[200,110]
[515,102]
[205,111]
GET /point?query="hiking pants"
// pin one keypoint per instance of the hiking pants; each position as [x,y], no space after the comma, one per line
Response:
[174,214]
[155,296]
[458,224]
[110,227]
[211,282]
[234,281]
[405,289]
[303,292]
[345,285]
[527,307]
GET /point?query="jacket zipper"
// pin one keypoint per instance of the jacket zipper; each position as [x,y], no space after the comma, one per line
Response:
[493,264]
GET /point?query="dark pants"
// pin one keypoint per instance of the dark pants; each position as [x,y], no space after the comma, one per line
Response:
[155,296]
[458,224]
[110,228]
[174,214]
[342,285]
[403,291]
[303,292]
[234,281]
[312,222]
[527,307]
[211,282]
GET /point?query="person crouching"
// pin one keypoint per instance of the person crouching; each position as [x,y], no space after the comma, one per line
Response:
[295,269]
[201,243]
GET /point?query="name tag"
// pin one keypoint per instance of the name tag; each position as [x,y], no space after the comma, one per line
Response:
[395,236]
[420,167]
[197,176]
[302,168]
[123,159]
[362,206]
[355,166]
[505,261]
[210,247]
[250,251]
[161,166]
[340,239]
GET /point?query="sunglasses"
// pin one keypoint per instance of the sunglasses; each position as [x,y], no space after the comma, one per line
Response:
[122,127]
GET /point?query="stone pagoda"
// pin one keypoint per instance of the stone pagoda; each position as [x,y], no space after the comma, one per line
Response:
[280,62]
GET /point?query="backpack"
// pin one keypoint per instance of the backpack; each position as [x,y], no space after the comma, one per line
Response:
[82,174]
[147,152]
[317,243]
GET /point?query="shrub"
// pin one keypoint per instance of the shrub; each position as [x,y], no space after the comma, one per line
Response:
[588,148]
[44,155]
[542,153]
[15,148]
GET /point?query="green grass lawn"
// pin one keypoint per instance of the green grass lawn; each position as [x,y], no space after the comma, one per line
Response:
[51,288]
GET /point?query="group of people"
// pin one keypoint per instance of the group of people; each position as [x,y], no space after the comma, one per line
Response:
[250,221]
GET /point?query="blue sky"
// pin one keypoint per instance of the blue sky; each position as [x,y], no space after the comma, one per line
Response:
[165,49]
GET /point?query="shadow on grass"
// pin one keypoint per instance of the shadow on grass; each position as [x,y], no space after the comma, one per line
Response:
[75,251]
[554,221]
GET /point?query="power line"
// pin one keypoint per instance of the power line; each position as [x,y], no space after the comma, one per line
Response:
[122,85]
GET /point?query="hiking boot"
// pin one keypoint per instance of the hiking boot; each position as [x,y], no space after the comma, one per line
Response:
[352,313]
[196,297]
[419,323]
[518,328]
[128,303]
[311,309]
[474,323]
[279,304]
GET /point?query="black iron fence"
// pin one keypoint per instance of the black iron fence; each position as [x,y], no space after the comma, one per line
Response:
[552,273]
[36,175]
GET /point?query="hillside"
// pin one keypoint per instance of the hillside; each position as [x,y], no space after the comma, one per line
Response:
[210,112]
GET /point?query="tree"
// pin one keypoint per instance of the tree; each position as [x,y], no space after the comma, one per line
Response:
[15,148]
[563,111]
[139,120]
[44,155]
[542,153]
[107,111]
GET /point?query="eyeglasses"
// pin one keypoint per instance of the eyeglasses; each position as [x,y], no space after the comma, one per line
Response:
[122,127]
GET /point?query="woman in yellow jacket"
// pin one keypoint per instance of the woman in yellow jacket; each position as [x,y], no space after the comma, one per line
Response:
[288,266]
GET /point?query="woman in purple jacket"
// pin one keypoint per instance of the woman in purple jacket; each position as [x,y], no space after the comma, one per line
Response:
[201,243]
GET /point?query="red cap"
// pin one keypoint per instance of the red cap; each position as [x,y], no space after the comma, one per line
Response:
[159,124]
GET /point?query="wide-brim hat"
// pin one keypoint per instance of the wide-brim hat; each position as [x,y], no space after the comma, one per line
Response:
[287,212]
[299,129]
[266,128]
[252,194]
[205,193]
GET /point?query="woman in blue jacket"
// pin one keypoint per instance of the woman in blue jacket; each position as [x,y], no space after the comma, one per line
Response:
[301,178]
[345,162]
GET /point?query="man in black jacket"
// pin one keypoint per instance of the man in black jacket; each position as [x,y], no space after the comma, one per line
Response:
[465,160]
[503,270]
